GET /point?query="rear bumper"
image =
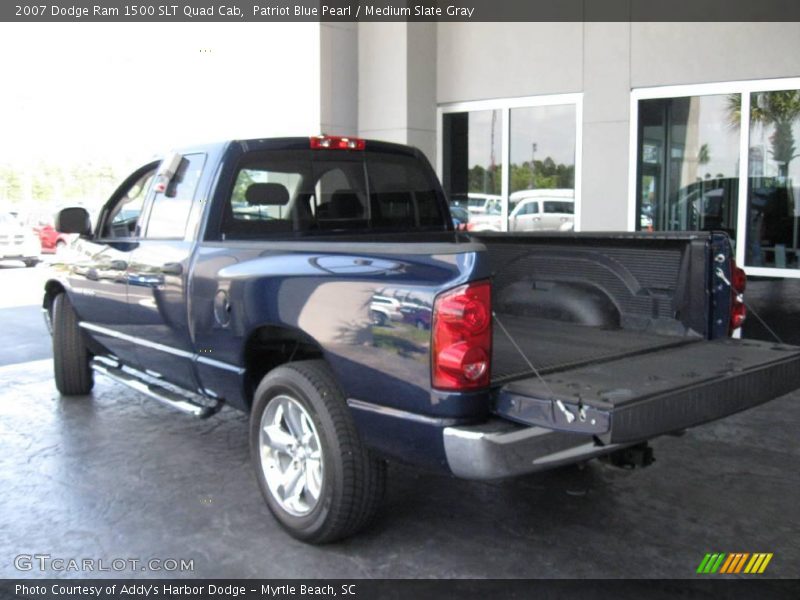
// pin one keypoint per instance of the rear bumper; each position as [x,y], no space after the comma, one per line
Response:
[499,449]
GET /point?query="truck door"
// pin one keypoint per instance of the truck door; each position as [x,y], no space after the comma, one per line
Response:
[98,274]
[159,268]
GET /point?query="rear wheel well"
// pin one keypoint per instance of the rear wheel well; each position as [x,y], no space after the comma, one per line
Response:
[51,290]
[269,347]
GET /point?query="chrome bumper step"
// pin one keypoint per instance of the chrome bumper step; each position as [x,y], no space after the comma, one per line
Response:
[172,396]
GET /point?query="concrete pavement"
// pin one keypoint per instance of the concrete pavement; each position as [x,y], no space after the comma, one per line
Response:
[115,475]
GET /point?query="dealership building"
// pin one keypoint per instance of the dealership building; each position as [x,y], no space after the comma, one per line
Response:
[651,126]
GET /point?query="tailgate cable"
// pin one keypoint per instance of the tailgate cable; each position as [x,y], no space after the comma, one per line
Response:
[567,414]
[721,274]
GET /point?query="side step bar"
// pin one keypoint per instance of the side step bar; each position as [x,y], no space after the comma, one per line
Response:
[186,402]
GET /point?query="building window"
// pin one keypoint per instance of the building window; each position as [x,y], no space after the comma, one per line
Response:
[472,157]
[693,145]
[773,189]
[688,163]
[542,158]
[501,159]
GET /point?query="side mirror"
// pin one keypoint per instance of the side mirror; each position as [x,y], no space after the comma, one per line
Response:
[73,220]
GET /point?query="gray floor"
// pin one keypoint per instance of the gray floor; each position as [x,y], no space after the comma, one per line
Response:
[119,476]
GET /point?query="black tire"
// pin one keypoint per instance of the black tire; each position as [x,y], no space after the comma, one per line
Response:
[354,479]
[71,358]
[379,318]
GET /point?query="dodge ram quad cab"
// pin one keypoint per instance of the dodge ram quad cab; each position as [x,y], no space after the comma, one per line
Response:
[246,273]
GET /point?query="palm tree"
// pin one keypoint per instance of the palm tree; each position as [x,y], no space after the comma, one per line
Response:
[703,155]
[780,109]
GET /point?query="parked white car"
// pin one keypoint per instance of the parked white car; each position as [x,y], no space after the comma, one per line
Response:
[543,214]
[531,210]
[383,309]
[17,242]
[478,204]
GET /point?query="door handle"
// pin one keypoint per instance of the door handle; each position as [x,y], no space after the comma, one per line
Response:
[172,268]
[145,279]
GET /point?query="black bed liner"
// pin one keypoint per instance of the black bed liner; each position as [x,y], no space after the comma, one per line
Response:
[666,389]
[556,345]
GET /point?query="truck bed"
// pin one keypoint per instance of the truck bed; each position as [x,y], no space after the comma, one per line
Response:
[557,345]
[627,334]
[579,299]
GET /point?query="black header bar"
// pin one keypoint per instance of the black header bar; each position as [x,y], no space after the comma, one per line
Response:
[400,10]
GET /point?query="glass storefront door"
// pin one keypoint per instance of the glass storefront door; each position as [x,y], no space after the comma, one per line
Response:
[773,187]
[726,158]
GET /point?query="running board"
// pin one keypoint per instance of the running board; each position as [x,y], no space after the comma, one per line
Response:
[186,402]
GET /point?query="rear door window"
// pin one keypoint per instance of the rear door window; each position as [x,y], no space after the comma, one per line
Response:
[559,207]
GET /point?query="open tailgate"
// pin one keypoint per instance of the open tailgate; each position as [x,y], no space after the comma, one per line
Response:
[653,393]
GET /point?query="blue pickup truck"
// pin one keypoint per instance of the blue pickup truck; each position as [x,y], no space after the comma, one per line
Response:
[319,285]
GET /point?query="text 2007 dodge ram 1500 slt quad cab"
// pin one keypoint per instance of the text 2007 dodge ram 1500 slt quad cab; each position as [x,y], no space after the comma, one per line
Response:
[252,272]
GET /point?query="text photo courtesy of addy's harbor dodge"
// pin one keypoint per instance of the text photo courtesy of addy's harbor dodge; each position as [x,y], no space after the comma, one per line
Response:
[185,590]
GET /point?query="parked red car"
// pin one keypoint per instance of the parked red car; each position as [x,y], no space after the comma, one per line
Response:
[51,239]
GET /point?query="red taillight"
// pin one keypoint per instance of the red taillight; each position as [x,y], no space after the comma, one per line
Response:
[462,337]
[738,314]
[738,285]
[738,278]
[336,142]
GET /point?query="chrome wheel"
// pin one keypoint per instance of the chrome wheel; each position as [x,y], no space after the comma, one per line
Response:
[291,456]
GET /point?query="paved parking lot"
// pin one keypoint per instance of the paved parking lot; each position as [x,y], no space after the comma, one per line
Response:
[115,475]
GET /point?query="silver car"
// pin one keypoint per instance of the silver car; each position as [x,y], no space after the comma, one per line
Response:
[17,242]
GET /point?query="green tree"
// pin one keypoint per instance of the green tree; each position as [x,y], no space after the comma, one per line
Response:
[10,184]
[486,181]
[547,175]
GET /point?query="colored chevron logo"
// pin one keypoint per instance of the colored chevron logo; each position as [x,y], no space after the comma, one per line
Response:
[734,563]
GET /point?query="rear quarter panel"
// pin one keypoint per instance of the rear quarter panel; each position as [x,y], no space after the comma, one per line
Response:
[324,290]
